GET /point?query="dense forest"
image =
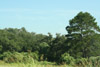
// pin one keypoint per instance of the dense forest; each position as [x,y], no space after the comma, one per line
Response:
[82,40]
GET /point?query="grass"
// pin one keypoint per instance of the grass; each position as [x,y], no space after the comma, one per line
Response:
[3,64]
[91,62]
[29,65]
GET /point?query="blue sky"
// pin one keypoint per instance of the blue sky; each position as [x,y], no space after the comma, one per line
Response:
[43,16]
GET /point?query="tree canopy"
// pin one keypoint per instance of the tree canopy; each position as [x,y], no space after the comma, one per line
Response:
[81,32]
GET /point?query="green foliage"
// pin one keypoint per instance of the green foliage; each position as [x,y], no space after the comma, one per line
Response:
[33,55]
[57,48]
[43,47]
[94,61]
[0,48]
[81,61]
[90,62]
[82,30]
[82,41]
[67,59]
[12,57]
[43,50]
[28,59]
[20,57]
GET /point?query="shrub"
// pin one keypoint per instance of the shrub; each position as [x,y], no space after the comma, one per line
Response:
[34,55]
[94,61]
[7,56]
[82,61]
[20,57]
[90,62]
[30,57]
[67,59]
[12,57]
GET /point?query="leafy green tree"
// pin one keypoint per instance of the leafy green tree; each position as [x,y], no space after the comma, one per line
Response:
[13,39]
[43,50]
[56,48]
[67,59]
[81,31]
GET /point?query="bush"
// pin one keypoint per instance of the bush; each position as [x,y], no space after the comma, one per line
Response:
[94,60]
[18,57]
[12,57]
[82,61]
[90,62]
[30,57]
[67,59]
[34,55]
[7,56]
[24,57]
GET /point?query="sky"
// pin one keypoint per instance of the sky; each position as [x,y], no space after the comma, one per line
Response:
[43,16]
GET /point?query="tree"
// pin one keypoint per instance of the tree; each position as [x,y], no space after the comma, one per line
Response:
[81,31]
[43,50]
[56,48]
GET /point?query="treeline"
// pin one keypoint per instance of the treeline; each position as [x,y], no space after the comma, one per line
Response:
[81,41]
[19,40]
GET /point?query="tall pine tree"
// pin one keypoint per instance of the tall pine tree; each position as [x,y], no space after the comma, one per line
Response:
[81,32]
